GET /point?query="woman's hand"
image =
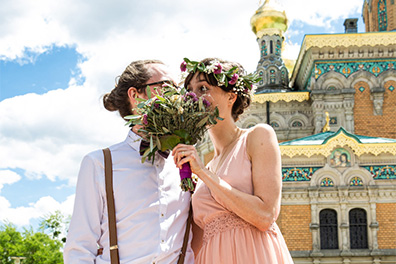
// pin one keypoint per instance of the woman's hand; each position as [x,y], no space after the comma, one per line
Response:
[187,153]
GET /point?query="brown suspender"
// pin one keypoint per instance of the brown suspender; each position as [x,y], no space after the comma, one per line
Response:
[186,235]
[114,257]
[110,207]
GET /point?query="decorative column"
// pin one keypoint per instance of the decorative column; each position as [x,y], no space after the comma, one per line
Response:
[348,105]
[343,195]
[373,227]
[318,111]
[314,225]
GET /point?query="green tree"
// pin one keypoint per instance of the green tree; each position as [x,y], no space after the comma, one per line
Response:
[35,247]
[41,248]
[11,242]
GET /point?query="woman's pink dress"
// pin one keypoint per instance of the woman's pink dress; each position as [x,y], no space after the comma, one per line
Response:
[228,238]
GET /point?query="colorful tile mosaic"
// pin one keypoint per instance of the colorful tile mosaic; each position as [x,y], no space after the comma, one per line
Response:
[297,124]
[356,181]
[298,173]
[361,89]
[278,48]
[382,16]
[272,76]
[382,172]
[263,49]
[327,182]
[347,68]
[391,88]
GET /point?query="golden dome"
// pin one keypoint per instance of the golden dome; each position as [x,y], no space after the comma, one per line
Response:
[269,19]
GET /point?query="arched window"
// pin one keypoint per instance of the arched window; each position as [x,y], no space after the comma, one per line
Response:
[263,48]
[358,228]
[278,47]
[328,229]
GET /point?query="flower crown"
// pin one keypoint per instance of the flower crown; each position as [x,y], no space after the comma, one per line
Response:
[243,84]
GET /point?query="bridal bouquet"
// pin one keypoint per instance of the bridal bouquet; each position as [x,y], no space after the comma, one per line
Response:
[171,117]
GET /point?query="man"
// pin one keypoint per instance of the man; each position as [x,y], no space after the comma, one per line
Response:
[151,210]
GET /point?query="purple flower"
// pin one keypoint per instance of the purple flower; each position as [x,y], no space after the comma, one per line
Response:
[183,66]
[218,68]
[206,102]
[234,79]
[145,121]
[191,94]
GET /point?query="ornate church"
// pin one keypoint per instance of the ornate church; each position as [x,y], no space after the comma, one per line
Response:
[335,118]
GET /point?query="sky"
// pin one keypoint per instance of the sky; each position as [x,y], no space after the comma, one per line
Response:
[57,59]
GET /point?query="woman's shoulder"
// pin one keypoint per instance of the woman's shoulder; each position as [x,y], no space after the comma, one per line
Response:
[260,131]
[260,135]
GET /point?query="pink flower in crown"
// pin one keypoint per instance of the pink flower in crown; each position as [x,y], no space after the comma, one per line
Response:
[183,66]
[234,79]
[218,68]
[145,121]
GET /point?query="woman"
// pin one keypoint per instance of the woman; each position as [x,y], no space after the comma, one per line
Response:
[237,198]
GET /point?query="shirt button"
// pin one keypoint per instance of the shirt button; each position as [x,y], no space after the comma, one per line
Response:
[162,215]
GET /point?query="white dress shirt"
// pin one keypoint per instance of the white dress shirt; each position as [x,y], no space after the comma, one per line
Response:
[151,209]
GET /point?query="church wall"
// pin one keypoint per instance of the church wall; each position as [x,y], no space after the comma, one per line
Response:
[391,15]
[363,109]
[379,122]
[386,217]
[294,223]
[371,18]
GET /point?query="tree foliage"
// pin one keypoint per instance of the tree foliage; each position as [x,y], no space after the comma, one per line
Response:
[35,247]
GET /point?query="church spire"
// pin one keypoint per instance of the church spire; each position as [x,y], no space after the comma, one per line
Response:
[269,24]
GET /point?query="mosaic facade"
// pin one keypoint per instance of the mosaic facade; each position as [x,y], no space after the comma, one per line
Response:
[346,68]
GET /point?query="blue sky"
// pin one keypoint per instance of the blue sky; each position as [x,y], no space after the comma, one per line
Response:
[57,60]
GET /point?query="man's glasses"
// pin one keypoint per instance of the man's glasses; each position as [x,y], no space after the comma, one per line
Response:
[160,82]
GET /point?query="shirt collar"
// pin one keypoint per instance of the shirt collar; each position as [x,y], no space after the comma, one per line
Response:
[133,140]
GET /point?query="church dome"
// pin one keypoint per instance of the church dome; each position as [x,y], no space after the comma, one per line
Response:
[269,19]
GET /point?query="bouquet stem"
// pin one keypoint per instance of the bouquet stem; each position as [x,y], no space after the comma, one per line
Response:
[187,183]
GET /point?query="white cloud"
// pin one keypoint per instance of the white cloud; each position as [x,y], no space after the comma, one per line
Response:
[320,13]
[21,216]
[8,177]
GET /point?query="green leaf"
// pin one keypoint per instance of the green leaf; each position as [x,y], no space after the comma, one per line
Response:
[151,144]
[200,104]
[162,99]
[169,142]
[132,117]
[148,91]
[181,133]
[158,142]
[203,121]
[140,99]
